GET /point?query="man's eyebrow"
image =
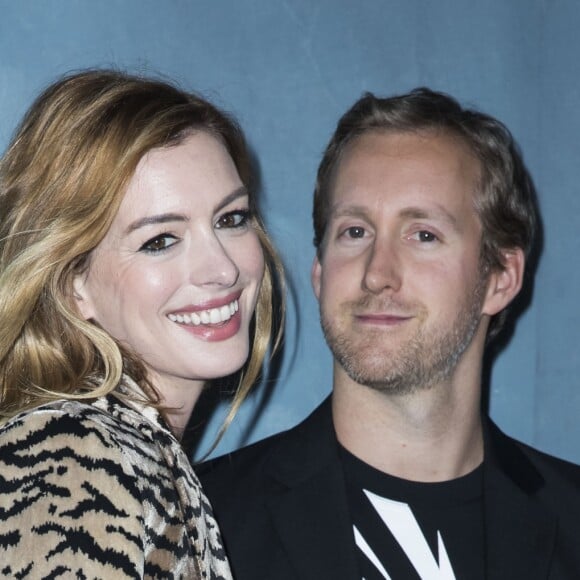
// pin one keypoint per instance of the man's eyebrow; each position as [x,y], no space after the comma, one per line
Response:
[176,217]
[437,212]
[410,212]
[349,211]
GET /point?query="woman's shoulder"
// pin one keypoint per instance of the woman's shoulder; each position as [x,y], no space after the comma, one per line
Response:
[74,482]
[88,433]
[71,419]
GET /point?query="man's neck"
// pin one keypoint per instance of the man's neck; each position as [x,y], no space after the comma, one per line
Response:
[430,435]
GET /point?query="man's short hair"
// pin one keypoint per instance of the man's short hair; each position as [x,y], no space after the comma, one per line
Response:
[504,198]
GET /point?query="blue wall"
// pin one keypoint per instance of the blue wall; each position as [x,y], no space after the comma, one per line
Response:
[288,69]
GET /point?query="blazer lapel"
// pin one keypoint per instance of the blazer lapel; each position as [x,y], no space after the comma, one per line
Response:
[310,514]
[520,533]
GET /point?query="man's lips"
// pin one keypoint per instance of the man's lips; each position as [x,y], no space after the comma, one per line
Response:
[382,318]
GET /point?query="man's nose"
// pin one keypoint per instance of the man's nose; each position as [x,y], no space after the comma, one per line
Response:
[383,267]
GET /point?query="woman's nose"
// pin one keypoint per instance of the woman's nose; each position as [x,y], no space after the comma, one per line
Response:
[210,263]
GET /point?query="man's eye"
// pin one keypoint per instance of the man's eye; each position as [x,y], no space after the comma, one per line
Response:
[355,232]
[158,244]
[425,236]
[233,219]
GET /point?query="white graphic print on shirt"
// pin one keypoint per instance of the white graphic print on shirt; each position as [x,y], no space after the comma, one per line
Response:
[399,518]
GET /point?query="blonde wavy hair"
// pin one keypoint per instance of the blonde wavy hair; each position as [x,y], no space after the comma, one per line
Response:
[62,180]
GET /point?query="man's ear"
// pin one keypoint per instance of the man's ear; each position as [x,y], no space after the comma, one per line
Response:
[82,296]
[315,275]
[504,285]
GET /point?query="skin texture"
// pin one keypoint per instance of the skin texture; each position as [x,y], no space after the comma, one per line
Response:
[181,243]
[405,304]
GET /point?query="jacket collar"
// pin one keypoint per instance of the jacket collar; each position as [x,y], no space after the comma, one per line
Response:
[311,514]
[520,531]
[312,519]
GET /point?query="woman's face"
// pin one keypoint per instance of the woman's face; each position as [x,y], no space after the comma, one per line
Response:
[177,276]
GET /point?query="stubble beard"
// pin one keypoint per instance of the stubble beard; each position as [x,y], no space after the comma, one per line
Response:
[425,359]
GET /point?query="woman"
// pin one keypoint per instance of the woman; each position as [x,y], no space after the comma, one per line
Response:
[131,261]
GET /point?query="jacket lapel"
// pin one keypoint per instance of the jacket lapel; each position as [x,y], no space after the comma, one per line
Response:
[520,533]
[310,514]
[309,511]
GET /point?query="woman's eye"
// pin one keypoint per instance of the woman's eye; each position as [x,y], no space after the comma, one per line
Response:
[233,219]
[158,244]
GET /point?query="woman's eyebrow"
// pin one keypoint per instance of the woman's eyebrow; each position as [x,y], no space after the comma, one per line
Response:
[237,193]
[176,217]
[154,219]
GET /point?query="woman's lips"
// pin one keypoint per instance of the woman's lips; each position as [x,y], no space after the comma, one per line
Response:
[215,315]
[220,322]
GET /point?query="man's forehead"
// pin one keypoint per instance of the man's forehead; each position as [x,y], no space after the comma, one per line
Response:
[416,163]
[404,142]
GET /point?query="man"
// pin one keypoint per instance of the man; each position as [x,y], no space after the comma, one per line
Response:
[424,218]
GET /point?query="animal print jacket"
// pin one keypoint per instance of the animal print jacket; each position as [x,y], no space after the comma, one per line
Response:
[102,490]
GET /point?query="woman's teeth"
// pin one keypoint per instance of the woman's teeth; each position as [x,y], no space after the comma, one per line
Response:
[209,316]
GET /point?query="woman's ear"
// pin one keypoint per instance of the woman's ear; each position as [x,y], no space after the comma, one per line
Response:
[505,284]
[82,297]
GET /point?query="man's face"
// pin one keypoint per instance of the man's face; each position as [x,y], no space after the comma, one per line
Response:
[399,280]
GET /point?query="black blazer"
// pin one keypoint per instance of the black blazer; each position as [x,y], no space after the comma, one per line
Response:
[281,504]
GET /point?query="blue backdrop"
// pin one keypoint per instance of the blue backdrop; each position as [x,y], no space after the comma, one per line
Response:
[288,69]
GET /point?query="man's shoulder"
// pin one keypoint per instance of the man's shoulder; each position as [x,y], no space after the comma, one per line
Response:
[535,470]
[237,482]
[242,461]
[281,456]
[551,467]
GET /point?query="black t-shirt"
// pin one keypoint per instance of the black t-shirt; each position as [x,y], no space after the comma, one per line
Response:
[411,530]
